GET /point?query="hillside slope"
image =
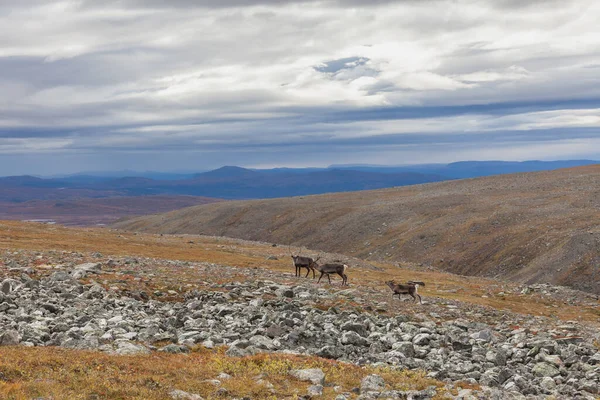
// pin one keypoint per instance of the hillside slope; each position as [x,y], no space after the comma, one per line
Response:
[532,227]
[95,211]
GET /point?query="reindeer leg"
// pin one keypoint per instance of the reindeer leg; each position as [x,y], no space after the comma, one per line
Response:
[313,270]
[320,277]
[329,278]
[307,272]
[420,301]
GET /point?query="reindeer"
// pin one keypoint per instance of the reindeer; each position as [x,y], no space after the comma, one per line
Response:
[411,288]
[332,268]
[304,262]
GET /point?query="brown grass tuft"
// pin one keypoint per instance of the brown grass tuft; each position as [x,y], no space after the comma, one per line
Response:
[26,373]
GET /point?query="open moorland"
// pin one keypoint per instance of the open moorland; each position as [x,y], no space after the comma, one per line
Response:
[528,228]
[95,211]
[105,314]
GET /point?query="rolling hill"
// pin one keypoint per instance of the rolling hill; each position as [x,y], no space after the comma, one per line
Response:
[236,183]
[226,182]
[529,227]
[95,211]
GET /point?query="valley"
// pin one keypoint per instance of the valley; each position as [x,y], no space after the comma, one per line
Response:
[78,211]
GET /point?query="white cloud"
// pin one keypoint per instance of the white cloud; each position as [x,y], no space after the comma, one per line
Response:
[188,70]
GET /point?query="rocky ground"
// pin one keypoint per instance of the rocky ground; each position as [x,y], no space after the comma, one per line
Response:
[88,301]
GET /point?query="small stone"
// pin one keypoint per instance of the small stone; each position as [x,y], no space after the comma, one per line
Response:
[126,347]
[314,375]
[353,338]
[331,352]
[8,285]
[262,342]
[177,394]
[552,359]
[548,383]
[237,352]
[315,390]
[483,336]
[372,383]
[421,339]
[10,338]
[354,327]
[174,349]
[60,276]
[289,293]
[405,348]
[545,369]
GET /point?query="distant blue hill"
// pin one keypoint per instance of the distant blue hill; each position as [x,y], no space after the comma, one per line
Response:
[233,182]
[472,169]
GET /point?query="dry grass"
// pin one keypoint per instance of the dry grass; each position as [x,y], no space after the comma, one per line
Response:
[56,373]
[81,211]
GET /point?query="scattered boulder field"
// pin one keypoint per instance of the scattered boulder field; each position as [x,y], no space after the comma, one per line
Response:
[88,301]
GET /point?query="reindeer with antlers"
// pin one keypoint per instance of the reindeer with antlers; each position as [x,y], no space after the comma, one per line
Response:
[411,288]
[304,262]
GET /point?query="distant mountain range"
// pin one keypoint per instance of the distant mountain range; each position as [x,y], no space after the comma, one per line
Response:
[232,182]
[472,169]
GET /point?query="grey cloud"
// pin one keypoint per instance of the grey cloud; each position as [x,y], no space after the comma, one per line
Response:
[242,3]
[216,76]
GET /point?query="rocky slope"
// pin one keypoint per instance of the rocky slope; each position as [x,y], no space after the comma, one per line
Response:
[75,300]
[533,227]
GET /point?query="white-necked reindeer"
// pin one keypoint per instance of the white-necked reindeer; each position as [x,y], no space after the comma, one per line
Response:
[411,288]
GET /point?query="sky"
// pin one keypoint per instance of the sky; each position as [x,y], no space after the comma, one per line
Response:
[192,85]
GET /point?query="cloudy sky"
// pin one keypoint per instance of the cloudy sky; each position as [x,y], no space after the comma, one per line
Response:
[196,84]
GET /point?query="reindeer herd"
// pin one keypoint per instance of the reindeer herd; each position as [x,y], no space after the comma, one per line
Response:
[300,262]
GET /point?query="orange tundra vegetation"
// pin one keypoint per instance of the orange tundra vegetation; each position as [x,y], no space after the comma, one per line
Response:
[57,373]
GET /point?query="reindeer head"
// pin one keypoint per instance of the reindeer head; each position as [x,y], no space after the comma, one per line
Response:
[390,284]
[313,263]
[294,257]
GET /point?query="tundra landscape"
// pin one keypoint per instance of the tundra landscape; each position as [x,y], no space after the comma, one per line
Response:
[538,227]
[299,200]
[189,316]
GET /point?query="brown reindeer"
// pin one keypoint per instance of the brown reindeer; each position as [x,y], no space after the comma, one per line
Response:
[304,262]
[332,268]
[411,288]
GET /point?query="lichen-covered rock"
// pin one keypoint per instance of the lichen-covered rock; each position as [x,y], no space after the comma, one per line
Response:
[372,383]
[10,338]
[544,369]
[314,375]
